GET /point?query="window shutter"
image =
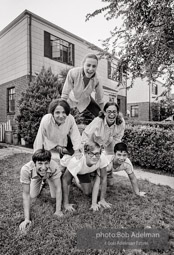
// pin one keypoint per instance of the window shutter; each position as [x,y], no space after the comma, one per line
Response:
[47,45]
[109,69]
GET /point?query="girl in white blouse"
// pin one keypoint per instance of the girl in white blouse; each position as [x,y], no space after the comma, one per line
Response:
[79,85]
[107,129]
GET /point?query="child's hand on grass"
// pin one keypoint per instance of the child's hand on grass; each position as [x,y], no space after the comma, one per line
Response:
[142,194]
[95,207]
[59,213]
[24,226]
[69,207]
[104,204]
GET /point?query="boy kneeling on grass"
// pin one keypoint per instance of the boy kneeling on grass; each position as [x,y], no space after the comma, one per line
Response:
[91,164]
[120,162]
[40,168]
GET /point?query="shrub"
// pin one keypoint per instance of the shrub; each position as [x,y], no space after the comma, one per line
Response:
[34,103]
[151,147]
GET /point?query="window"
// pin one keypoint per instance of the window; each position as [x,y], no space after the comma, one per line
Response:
[112,71]
[154,89]
[116,73]
[11,100]
[58,49]
[134,111]
[112,98]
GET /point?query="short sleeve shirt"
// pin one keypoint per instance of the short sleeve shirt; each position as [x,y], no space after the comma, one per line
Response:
[28,172]
[79,166]
[126,166]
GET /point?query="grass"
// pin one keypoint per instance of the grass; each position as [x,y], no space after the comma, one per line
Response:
[51,235]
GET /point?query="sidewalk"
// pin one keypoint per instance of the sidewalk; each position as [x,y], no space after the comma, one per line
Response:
[140,174]
[9,150]
[151,177]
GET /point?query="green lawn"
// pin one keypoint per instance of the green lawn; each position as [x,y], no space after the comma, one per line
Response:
[52,235]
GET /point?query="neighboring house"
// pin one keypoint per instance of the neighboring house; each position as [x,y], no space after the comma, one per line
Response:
[30,42]
[140,98]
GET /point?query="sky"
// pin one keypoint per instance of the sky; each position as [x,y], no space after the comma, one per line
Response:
[68,14]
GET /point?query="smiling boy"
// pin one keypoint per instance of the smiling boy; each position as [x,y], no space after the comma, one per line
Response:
[89,173]
[120,162]
[40,168]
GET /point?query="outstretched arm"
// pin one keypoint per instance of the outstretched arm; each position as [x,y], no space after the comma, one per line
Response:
[57,184]
[75,138]
[134,183]
[102,201]
[39,140]
[90,129]
[99,95]
[67,179]
[26,204]
[67,87]
[95,192]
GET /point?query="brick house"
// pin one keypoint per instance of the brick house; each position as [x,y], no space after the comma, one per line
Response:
[30,42]
[140,98]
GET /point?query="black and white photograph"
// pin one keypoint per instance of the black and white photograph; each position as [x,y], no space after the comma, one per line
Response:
[87,127]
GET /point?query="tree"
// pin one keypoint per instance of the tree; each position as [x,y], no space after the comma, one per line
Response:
[34,103]
[146,36]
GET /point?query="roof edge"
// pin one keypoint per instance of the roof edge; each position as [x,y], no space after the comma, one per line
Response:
[27,12]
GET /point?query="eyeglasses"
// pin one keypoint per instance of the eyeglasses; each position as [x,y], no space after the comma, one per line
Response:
[110,112]
[91,154]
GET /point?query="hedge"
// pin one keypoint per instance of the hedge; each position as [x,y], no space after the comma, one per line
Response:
[156,124]
[151,147]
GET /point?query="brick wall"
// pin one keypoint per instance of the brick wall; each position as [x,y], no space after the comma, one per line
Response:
[20,85]
[122,104]
[143,111]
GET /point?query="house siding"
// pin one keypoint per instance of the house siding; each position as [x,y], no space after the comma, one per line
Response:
[140,94]
[15,57]
[14,52]
[80,50]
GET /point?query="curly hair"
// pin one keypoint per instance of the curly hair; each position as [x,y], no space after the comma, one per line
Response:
[119,118]
[90,146]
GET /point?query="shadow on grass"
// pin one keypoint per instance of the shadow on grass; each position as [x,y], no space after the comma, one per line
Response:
[51,235]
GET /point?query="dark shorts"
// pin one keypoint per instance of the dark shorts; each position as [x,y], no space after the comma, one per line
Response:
[93,107]
[86,178]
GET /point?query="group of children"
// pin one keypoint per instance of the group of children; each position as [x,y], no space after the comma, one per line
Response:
[61,154]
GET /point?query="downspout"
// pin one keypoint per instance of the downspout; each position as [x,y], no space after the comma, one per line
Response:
[30,50]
